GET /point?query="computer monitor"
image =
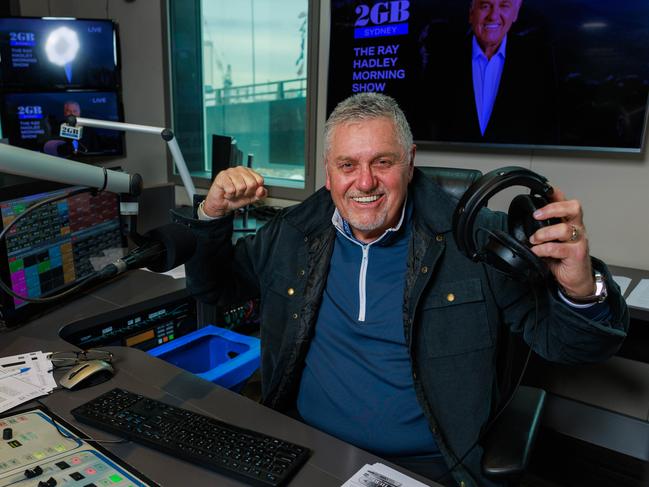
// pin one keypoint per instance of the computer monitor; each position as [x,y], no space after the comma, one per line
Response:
[225,153]
[57,245]
[572,74]
[58,53]
[33,120]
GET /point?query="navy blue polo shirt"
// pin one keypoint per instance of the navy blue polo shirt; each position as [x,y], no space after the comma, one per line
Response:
[357,382]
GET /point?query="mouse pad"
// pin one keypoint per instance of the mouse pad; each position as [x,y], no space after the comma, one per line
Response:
[32,450]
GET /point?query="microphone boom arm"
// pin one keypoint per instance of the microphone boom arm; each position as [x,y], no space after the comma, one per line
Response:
[22,162]
[166,134]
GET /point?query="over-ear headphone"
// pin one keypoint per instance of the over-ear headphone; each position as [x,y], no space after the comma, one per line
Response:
[509,251]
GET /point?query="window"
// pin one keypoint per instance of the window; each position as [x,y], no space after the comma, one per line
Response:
[239,68]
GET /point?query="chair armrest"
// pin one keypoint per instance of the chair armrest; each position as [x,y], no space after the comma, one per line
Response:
[508,443]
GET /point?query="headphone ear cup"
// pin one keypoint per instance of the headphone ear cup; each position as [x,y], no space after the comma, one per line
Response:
[508,255]
[521,224]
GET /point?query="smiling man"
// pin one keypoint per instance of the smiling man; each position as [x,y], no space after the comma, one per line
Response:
[374,327]
[368,171]
[496,85]
[490,20]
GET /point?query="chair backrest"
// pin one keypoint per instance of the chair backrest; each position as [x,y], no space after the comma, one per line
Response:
[453,180]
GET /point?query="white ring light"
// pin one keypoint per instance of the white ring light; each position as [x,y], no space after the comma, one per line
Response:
[62,46]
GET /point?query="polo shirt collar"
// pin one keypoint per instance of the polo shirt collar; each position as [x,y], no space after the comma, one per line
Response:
[477,52]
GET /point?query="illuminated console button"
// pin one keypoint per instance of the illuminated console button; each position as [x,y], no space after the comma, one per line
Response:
[116,479]
[91,471]
[76,460]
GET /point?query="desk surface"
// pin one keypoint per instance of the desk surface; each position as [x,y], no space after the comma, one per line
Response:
[605,404]
[331,464]
[635,275]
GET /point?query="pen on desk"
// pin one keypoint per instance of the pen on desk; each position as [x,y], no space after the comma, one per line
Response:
[15,372]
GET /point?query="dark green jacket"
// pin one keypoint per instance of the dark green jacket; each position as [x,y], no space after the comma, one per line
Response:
[453,310]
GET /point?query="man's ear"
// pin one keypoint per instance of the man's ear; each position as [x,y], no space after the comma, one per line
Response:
[518,9]
[327,178]
[411,164]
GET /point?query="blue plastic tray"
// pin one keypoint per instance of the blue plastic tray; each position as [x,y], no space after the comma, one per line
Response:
[217,355]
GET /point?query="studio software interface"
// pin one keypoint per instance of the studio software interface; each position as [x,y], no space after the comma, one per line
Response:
[53,247]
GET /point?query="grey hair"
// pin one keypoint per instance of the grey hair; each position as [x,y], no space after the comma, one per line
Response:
[473,2]
[368,106]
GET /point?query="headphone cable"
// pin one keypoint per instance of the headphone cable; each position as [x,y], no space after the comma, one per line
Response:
[493,420]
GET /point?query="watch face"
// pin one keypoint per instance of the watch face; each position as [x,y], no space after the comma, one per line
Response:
[600,287]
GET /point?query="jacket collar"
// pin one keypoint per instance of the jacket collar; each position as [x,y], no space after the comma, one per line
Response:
[433,208]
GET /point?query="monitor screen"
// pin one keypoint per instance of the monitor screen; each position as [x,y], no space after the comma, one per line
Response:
[55,246]
[58,53]
[33,121]
[527,73]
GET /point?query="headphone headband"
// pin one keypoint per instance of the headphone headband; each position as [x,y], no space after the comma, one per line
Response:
[479,194]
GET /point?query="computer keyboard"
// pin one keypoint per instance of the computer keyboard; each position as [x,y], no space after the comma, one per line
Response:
[248,456]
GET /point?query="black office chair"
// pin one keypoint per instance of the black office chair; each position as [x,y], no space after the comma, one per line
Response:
[508,443]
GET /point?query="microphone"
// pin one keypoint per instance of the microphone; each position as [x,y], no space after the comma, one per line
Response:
[22,162]
[163,249]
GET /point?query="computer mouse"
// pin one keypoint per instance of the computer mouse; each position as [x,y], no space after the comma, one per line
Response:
[86,374]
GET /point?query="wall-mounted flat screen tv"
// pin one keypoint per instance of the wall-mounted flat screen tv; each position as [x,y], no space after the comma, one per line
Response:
[33,121]
[568,74]
[58,53]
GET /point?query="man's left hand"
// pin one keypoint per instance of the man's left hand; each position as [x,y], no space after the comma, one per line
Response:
[564,246]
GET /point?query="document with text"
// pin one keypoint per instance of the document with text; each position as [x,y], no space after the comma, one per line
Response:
[379,475]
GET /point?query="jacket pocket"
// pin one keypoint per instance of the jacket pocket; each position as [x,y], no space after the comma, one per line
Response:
[454,319]
[281,303]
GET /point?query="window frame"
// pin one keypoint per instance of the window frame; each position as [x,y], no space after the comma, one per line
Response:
[310,129]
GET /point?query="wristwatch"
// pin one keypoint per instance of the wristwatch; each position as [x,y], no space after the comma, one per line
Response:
[598,296]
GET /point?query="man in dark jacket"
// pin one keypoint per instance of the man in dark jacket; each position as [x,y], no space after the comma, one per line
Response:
[374,327]
[497,85]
